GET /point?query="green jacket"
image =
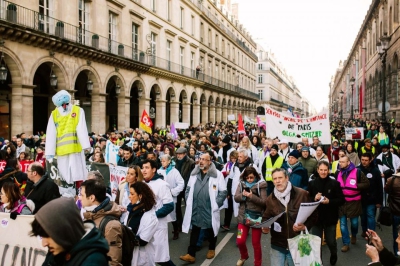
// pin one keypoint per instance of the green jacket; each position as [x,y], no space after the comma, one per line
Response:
[93,244]
[310,164]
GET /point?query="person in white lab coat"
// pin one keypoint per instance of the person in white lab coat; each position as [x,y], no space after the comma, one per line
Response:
[205,194]
[67,138]
[176,184]
[143,221]
[164,206]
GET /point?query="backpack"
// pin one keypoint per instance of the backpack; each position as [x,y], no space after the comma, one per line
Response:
[129,240]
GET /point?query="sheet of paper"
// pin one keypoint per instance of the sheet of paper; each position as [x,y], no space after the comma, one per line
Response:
[306,209]
[268,222]
[277,227]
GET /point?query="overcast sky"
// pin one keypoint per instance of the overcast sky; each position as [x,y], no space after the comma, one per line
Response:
[308,37]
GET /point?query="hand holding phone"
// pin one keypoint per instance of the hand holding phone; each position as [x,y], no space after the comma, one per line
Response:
[247,189]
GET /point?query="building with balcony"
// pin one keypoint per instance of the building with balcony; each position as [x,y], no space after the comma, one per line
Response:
[276,88]
[181,61]
[361,80]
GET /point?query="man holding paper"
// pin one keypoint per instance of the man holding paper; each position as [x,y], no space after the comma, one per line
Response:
[285,198]
[328,189]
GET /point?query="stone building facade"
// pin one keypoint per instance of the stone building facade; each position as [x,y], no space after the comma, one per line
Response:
[365,66]
[181,61]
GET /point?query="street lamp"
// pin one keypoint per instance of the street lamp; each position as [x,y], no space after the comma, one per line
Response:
[382,48]
[352,81]
[341,104]
[3,69]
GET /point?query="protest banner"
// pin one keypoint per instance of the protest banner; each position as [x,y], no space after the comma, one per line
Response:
[111,153]
[283,125]
[17,247]
[103,168]
[145,122]
[117,174]
[181,125]
[66,190]
[354,133]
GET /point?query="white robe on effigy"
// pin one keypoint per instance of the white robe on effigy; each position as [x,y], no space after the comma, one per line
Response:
[71,167]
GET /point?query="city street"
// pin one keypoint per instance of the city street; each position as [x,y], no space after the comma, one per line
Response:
[228,253]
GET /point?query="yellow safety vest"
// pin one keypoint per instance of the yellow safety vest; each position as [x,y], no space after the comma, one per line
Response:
[278,163]
[363,150]
[334,167]
[67,138]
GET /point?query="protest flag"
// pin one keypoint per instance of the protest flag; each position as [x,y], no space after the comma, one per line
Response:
[145,122]
[260,123]
[241,125]
[173,131]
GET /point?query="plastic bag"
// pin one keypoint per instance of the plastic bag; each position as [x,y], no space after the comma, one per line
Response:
[305,249]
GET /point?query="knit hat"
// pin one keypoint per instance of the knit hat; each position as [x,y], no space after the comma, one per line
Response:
[226,139]
[305,148]
[295,154]
[61,220]
[275,147]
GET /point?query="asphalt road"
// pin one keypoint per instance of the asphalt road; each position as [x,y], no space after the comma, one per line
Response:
[228,253]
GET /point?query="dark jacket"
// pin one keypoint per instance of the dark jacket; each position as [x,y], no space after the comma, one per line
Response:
[386,258]
[298,175]
[328,214]
[41,192]
[126,163]
[186,169]
[286,221]
[93,243]
[374,195]
[394,194]
[310,164]
[254,203]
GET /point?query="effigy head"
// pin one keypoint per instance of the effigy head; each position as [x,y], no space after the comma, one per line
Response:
[61,98]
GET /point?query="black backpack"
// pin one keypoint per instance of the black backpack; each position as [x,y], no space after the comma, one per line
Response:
[129,240]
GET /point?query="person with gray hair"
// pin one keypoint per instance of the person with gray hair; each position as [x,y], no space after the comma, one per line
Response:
[176,184]
[95,175]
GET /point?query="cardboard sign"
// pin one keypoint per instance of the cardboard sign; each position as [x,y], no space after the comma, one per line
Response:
[285,126]
[17,247]
[354,133]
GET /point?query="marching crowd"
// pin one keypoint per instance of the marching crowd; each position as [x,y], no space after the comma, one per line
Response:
[211,168]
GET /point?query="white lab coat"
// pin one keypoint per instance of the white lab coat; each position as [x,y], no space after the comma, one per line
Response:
[214,185]
[176,184]
[228,153]
[72,167]
[395,161]
[234,174]
[144,256]
[163,195]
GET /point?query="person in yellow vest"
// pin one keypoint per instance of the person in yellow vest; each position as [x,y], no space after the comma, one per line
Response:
[67,138]
[335,164]
[367,148]
[383,138]
[271,162]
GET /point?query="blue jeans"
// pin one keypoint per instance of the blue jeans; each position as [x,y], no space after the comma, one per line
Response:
[368,217]
[279,258]
[395,224]
[345,229]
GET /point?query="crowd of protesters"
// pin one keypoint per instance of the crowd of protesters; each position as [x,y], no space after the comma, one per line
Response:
[211,167]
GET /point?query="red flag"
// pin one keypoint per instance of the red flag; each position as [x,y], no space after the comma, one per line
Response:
[145,122]
[241,125]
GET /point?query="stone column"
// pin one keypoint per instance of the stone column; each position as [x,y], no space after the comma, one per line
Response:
[99,113]
[196,114]
[127,117]
[121,113]
[218,113]
[21,112]
[174,113]
[211,115]
[204,115]
[144,104]
[224,114]
[160,113]
[186,113]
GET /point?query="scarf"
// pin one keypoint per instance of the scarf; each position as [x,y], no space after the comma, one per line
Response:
[250,185]
[284,196]
[346,171]
[135,214]
[293,165]
[179,163]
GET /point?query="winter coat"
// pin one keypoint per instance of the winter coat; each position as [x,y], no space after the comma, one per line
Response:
[41,192]
[383,167]
[310,164]
[92,240]
[287,220]
[24,211]
[297,176]
[216,193]
[328,214]
[374,195]
[386,258]
[256,203]
[353,158]
[127,163]
[186,169]
[112,231]
[394,194]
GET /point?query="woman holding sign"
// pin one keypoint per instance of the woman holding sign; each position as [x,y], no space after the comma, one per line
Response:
[252,196]
[324,185]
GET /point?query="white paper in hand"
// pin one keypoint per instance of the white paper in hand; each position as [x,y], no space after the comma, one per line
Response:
[306,209]
[277,227]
